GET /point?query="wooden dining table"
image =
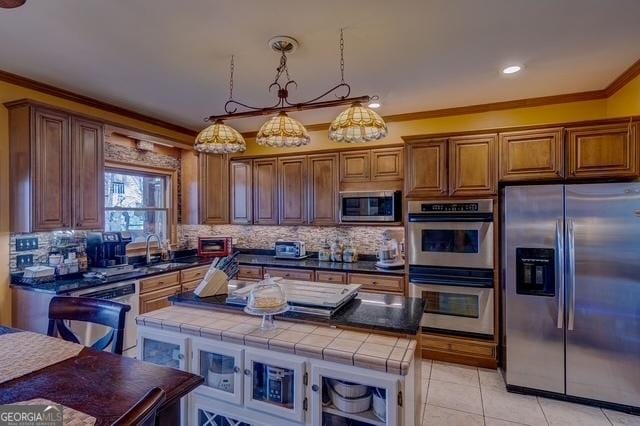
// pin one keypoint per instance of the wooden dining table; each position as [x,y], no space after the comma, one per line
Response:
[101,384]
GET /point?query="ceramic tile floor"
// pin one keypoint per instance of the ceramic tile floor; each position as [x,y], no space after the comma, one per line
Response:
[457,395]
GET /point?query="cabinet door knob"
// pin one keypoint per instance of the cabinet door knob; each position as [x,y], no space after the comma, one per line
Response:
[180,356]
[236,369]
[247,372]
[315,388]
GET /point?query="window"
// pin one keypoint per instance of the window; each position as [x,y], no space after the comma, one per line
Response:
[137,202]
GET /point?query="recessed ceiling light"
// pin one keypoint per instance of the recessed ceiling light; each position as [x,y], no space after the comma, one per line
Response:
[374,104]
[511,69]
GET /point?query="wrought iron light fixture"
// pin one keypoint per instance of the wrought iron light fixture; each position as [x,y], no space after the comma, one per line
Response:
[356,124]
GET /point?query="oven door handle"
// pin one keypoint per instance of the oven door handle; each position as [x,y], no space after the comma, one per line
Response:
[425,218]
[431,281]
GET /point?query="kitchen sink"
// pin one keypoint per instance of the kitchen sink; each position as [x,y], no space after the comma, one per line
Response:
[167,266]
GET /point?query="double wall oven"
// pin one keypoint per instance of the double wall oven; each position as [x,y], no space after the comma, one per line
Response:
[450,250]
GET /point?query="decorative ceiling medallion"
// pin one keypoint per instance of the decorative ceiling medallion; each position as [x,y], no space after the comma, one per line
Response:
[356,124]
[219,138]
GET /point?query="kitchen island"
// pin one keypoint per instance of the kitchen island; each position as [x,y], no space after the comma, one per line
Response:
[354,368]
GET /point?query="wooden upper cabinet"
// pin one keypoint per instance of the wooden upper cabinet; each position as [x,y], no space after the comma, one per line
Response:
[265,191]
[472,165]
[51,171]
[323,189]
[214,189]
[87,140]
[532,155]
[387,164]
[292,178]
[241,190]
[426,163]
[355,166]
[603,151]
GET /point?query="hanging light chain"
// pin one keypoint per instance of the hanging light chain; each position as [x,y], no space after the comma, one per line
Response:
[232,68]
[342,55]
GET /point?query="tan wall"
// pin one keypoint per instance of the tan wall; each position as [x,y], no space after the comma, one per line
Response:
[10,92]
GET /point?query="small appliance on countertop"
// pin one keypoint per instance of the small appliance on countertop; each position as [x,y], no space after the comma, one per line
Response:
[215,246]
[294,250]
[390,254]
[107,252]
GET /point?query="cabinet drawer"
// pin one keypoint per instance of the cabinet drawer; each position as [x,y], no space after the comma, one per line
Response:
[190,286]
[193,273]
[158,299]
[292,274]
[159,282]
[331,277]
[384,283]
[247,272]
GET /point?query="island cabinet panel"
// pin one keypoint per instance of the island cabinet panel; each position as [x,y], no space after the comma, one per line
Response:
[355,166]
[323,189]
[51,171]
[214,193]
[472,165]
[426,168]
[387,164]
[292,178]
[603,151]
[531,155]
[222,368]
[291,274]
[88,174]
[163,348]
[241,190]
[265,191]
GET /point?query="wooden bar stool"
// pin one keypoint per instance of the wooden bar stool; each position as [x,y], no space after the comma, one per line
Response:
[96,311]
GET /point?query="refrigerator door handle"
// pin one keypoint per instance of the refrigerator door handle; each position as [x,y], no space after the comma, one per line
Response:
[559,272]
[571,275]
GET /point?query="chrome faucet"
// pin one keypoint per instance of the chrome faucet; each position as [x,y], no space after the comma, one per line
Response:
[148,241]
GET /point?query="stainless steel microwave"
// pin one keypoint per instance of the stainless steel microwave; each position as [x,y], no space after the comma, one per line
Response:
[370,206]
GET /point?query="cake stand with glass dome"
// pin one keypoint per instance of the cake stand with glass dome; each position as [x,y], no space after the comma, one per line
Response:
[267,299]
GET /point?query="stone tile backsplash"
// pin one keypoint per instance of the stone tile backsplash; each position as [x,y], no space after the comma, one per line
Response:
[366,238]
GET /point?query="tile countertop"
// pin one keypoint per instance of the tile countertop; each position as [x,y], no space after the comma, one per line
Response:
[76,282]
[366,350]
[368,311]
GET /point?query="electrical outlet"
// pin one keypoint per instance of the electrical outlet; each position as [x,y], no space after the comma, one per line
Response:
[24,260]
[26,244]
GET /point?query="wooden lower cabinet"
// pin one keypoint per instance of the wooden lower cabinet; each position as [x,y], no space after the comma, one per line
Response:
[531,155]
[331,277]
[378,283]
[291,274]
[250,273]
[157,299]
[603,151]
[479,353]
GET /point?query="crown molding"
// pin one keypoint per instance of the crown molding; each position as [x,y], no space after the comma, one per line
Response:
[91,102]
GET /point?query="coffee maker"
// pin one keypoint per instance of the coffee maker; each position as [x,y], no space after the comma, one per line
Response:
[107,252]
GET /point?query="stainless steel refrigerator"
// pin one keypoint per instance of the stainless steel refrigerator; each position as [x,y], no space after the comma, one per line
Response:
[571,290]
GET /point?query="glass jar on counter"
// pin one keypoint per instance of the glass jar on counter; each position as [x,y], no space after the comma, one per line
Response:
[350,254]
[336,251]
[324,254]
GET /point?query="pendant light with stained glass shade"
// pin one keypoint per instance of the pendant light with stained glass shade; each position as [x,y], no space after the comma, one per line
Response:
[356,124]
[282,131]
[220,139]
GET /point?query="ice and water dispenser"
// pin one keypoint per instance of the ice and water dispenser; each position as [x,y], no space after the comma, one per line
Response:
[535,271]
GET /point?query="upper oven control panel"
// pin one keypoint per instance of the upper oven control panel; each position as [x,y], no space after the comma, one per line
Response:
[439,207]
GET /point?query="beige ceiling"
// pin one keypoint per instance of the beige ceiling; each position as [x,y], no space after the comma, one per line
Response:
[169,58]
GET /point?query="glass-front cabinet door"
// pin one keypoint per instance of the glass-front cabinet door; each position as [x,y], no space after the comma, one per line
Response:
[274,384]
[221,368]
[341,397]
[157,347]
